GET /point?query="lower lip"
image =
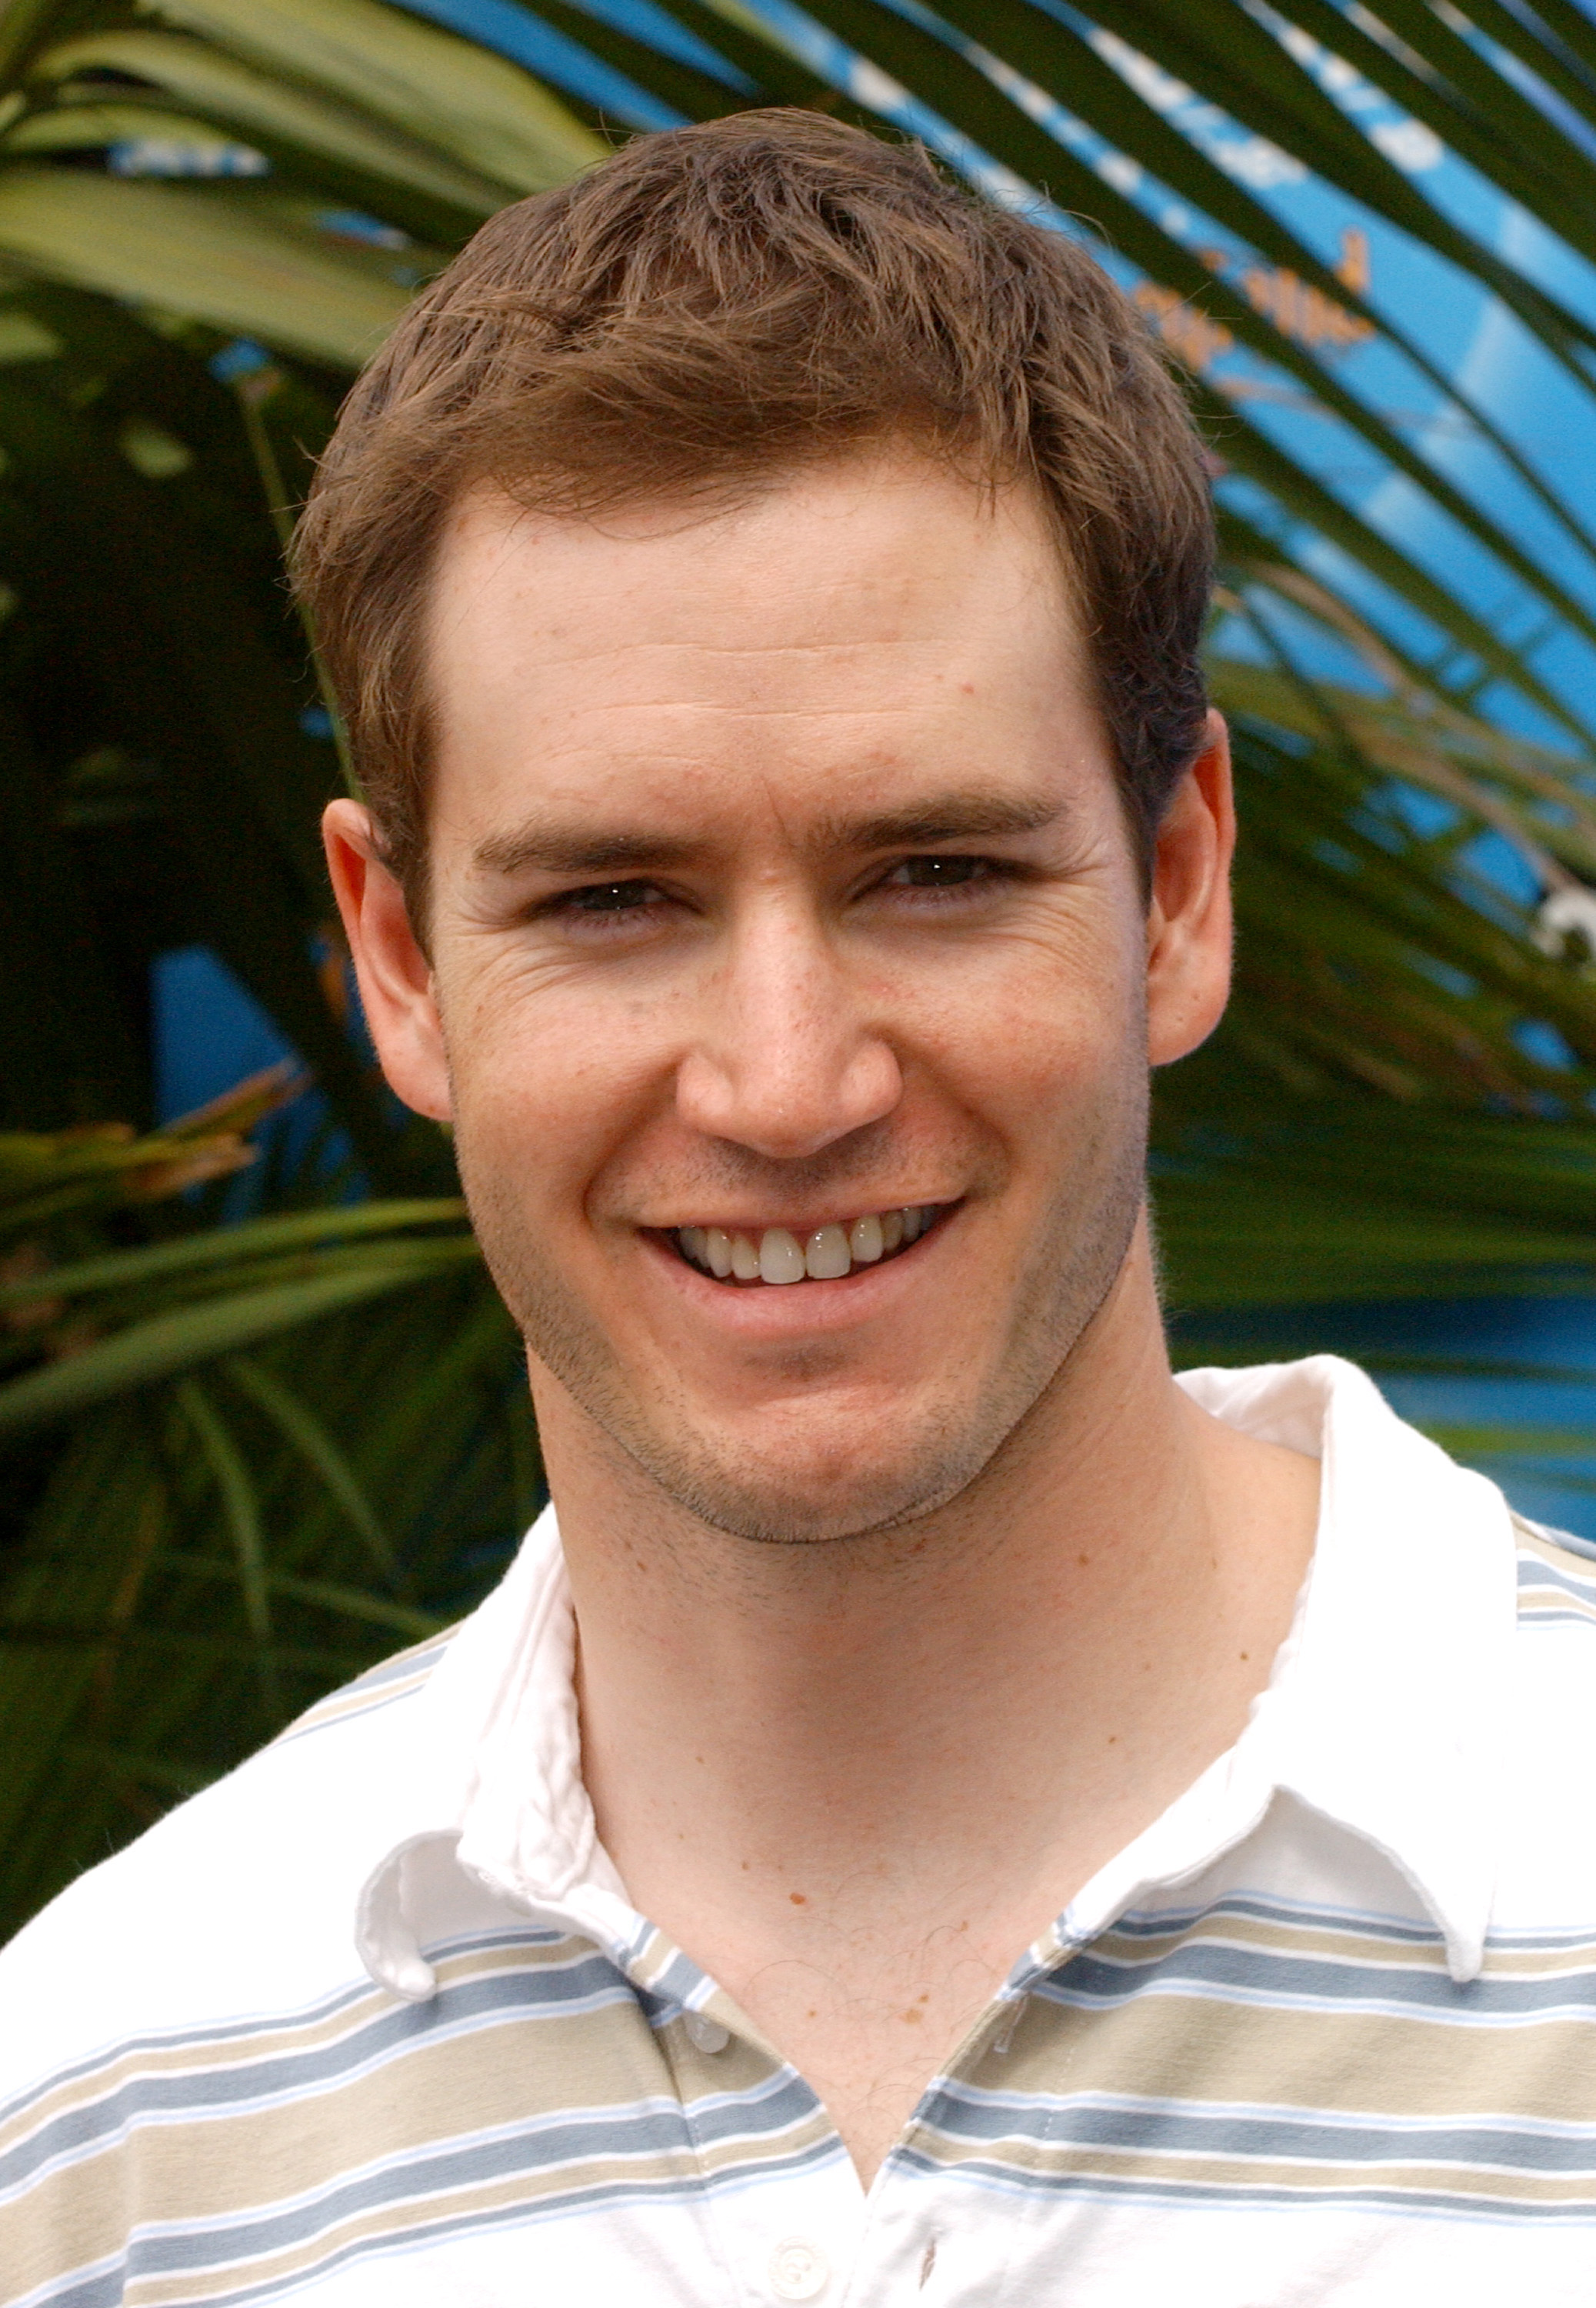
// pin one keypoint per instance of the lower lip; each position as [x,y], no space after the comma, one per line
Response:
[759,1309]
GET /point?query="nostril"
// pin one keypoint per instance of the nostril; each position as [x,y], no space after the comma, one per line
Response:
[788,1092]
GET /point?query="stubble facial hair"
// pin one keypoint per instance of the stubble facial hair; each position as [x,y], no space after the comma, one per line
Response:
[1066,1275]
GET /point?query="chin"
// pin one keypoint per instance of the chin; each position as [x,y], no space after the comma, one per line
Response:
[802,1499]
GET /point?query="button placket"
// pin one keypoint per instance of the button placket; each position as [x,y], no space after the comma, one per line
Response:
[759,2228]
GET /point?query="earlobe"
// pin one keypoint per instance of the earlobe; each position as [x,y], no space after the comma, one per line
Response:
[395,977]
[1188,920]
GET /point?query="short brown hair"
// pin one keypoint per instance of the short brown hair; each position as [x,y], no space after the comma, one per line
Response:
[719,304]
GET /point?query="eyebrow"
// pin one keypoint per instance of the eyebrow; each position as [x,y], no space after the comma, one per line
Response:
[551,849]
[973,816]
[546,846]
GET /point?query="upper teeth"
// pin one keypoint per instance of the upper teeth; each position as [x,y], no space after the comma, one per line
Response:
[830,1250]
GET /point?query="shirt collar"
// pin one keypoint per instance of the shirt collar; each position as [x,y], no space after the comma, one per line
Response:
[1384,1711]
[1381,1714]
[490,1765]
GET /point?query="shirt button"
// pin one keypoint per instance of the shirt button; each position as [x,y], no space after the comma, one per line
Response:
[798,2270]
[706,2035]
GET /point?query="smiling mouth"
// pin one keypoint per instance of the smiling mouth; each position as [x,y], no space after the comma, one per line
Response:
[775,1255]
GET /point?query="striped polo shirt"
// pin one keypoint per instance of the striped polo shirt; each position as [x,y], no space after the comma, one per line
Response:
[372,2020]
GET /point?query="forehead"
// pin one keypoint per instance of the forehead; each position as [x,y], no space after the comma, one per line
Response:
[855,627]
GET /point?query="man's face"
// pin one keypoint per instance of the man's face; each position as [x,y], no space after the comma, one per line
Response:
[780,888]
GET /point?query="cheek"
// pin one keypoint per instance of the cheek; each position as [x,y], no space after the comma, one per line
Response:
[1045,1027]
[544,1092]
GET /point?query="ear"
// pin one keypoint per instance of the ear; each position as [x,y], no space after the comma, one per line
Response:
[1189,919]
[396,978]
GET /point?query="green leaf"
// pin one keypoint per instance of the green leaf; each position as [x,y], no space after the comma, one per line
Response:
[345,1602]
[306,1433]
[217,89]
[478,111]
[244,1519]
[193,251]
[231,1246]
[167,1343]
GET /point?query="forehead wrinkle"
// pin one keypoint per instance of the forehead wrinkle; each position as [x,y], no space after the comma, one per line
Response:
[832,645]
[632,663]
[714,709]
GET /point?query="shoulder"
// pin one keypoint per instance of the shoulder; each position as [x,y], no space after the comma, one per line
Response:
[1556,1578]
[242,1900]
[1549,1720]
[1545,1853]
[398,1677]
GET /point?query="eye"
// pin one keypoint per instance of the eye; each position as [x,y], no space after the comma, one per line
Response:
[601,909]
[610,897]
[937,873]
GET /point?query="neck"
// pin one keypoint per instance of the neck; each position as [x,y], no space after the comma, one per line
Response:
[1007,1685]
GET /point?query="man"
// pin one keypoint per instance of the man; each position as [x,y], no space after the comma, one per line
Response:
[947,1812]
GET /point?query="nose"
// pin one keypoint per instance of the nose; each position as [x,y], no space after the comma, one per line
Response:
[784,1063]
